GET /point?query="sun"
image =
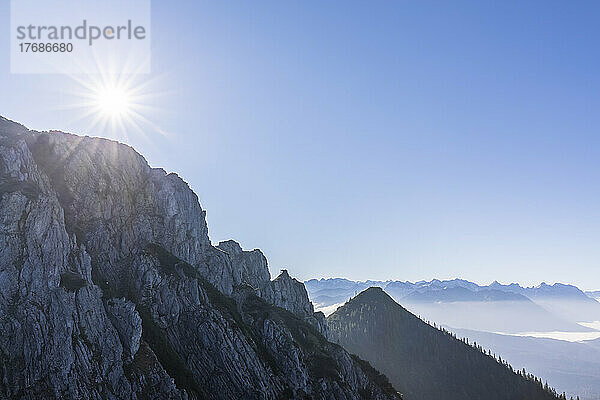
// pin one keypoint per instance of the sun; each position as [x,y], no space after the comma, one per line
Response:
[118,106]
[113,101]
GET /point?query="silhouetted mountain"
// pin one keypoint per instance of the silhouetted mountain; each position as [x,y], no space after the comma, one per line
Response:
[421,361]
[326,292]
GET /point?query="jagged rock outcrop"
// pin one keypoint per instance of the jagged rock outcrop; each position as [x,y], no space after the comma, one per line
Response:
[128,324]
[116,203]
[250,265]
[286,292]
[95,244]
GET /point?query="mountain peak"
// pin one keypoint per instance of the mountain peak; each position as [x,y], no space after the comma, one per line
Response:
[284,274]
[373,293]
[137,302]
[230,246]
[414,355]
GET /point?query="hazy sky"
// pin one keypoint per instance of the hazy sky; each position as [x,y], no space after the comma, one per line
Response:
[382,140]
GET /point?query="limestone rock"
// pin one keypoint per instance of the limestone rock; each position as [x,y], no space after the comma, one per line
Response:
[111,289]
[250,265]
[55,341]
[286,292]
[128,324]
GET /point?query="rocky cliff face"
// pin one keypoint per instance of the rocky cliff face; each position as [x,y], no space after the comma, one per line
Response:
[110,289]
[286,292]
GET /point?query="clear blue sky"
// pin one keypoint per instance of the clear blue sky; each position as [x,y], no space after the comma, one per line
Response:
[382,140]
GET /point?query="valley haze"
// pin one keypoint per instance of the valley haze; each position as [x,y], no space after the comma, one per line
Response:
[550,330]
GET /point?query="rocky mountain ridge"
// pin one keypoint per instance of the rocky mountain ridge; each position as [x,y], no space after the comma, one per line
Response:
[111,289]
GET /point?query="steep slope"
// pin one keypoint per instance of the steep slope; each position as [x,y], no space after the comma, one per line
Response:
[111,289]
[572,367]
[421,361]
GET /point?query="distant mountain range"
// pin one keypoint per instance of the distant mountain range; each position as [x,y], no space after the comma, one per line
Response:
[452,294]
[415,356]
[328,291]
[463,304]
[480,312]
